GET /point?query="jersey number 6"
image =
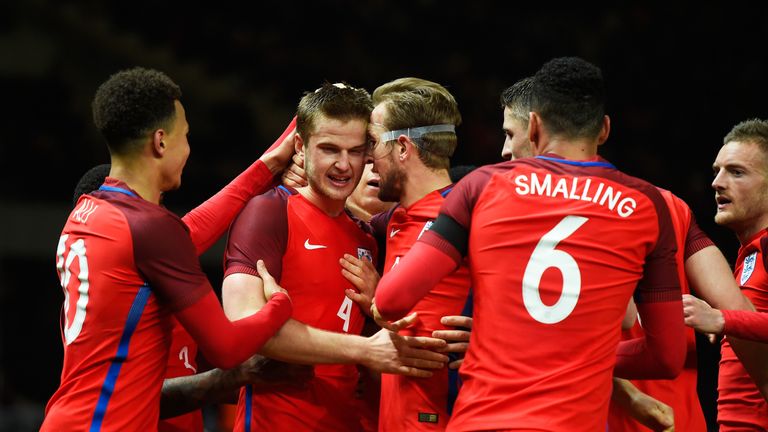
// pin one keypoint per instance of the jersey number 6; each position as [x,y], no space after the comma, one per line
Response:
[545,256]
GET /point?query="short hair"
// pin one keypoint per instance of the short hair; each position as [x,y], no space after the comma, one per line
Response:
[517,98]
[752,130]
[414,102]
[402,85]
[90,181]
[131,104]
[339,101]
[569,95]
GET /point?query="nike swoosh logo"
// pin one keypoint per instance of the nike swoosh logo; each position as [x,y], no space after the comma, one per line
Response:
[393,232]
[313,247]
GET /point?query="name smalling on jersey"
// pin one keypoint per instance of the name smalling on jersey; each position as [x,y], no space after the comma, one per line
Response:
[568,187]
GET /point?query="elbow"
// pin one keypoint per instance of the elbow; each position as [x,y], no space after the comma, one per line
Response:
[670,364]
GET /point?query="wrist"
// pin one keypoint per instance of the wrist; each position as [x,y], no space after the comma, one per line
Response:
[271,162]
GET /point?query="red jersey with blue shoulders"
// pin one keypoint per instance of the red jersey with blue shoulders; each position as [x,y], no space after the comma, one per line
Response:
[125,264]
[182,361]
[740,406]
[206,224]
[409,403]
[556,248]
[301,246]
[679,393]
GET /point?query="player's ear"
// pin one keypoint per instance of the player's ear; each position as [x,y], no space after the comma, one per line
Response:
[404,147]
[534,129]
[605,130]
[158,145]
[299,145]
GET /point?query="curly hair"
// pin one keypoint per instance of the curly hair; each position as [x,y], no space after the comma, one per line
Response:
[131,104]
[569,95]
[338,101]
[90,181]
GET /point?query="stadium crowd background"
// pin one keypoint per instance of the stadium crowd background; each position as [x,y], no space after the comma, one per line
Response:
[679,77]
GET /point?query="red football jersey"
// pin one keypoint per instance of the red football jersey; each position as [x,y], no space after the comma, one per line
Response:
[556,248]
[679,393]
[182,361]
[206,224]
[301,246]
[408,403]
[124,264]
[740,406]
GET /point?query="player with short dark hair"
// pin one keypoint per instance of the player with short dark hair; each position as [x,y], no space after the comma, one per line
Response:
[128,267]
[302,234]
[557,245]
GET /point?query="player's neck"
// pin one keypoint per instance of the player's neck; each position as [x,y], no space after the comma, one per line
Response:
[423,181]
[747,233]
[572,149]
[137,176]
[329,206]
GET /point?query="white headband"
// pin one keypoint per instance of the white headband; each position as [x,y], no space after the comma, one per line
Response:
[417,132]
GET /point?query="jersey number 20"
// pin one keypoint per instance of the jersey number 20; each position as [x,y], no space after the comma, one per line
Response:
[545,256]
[63,266]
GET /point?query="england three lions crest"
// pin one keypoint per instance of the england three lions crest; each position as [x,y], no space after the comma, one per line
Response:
[364,254]
[749,266]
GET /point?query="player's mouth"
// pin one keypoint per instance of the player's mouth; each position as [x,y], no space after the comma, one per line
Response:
[722,202]
[339,181]
[373,183]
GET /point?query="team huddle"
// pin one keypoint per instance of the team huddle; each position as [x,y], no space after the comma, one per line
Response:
[366,288]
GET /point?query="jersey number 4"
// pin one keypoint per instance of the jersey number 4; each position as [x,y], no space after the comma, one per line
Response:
[545,256]
[64,266]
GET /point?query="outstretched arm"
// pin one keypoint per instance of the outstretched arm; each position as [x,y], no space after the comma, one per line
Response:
[402,287]
[710,277]
[208,221]
[297,342]
[228,343]
[184,394]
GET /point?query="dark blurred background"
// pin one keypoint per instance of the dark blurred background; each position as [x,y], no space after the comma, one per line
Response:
[679,76]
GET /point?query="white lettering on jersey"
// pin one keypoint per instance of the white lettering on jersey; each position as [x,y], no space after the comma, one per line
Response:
[85,210]
[184,355]
[567,188]
[345,311]
[545,256]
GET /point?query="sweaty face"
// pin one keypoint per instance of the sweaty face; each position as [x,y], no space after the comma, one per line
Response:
[741,188]
[176,150]
[516,143]
[334,157]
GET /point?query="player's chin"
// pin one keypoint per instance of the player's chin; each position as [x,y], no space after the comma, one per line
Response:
[723,218]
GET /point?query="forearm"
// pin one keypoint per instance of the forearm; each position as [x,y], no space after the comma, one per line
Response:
[185,394]
[623,393]
[746,325]
[297,342]
[400,289]
[226,344]
[208,221]
[661,353]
